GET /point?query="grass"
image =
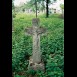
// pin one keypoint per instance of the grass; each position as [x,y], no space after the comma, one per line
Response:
[51,44]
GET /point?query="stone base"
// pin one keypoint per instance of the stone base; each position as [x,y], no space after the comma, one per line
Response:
[36,66]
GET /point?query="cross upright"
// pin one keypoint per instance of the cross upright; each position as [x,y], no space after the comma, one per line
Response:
[36,31]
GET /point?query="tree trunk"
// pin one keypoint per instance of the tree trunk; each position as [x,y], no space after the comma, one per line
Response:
[36,7]
[47,9]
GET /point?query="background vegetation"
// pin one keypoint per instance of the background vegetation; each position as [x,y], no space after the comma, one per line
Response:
[52,46]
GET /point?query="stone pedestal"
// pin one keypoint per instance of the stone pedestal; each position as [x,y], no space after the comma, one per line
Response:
[36,66]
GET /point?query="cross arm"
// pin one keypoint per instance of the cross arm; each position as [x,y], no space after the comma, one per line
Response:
[41,30]
[29,31]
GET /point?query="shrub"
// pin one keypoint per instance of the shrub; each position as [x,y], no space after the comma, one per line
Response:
[52,47]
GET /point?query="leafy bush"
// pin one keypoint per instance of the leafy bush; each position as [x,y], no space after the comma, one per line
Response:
[52,46]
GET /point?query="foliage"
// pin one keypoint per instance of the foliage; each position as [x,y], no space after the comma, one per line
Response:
[52,46]
[62,6]
[12,4]
[13,10]
[41,6]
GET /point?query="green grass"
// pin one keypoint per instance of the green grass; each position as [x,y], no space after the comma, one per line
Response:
[52,44]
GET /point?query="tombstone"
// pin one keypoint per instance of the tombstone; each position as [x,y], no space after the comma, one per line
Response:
[35,61]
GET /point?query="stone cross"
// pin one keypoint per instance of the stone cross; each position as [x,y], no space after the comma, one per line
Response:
[36,31]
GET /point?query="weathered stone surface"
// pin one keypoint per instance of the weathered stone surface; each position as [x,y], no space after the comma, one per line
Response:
[40,30]
[36,62]
[36,66]
[35,22]
[29,30]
